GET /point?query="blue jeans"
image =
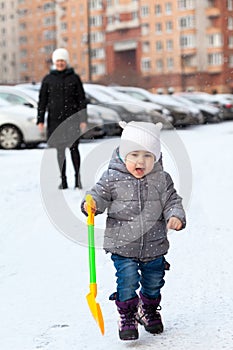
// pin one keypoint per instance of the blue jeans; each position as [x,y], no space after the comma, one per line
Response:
[132,273]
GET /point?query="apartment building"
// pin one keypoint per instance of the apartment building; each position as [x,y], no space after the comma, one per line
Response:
[183,44]
[9,62]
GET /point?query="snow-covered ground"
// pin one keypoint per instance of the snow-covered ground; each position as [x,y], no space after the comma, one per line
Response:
[44,275]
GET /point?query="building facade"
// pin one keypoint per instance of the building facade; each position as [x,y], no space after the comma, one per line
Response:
[9,59]
[156,44]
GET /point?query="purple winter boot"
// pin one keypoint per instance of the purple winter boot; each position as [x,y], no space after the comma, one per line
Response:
[128,326]
[148,314]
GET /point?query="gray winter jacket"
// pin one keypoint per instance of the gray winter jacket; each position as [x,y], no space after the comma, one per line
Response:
[137,210]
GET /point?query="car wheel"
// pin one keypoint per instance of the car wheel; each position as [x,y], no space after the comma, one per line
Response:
[10,137]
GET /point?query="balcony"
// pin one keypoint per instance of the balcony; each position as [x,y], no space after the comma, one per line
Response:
[190,69]
[213,12]
[118,9]
[120,25]
[125,45]
[215,69]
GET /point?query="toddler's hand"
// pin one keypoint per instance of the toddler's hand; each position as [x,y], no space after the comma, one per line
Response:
[93,206]
[174,224]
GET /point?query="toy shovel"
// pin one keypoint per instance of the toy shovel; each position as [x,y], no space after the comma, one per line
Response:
[93,305]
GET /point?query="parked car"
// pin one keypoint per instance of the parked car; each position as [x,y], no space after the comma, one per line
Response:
[182,115]
[18,126]
[215,100]
[127,111]
[158,113]
[212,114]
[155,111]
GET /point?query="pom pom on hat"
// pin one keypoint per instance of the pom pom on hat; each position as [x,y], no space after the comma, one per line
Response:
[60,54]
[140,136]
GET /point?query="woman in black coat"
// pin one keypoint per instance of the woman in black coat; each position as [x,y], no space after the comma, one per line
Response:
[63,96]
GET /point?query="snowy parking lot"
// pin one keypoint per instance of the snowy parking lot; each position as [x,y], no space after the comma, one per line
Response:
[44,275]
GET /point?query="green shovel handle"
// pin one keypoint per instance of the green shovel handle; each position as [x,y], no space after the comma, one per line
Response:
[91,238]
[91,248]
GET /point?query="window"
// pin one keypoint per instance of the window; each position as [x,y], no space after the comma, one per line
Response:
[215,59]
[95,4]
[21,13]
[98,53]
[48,49]
[134,15]
[144,11]
[23,53]
[230,23]
[110,19]
[230,62]
[23,39]
[64,26]
[12,98]
[186,4]
[159,65]
[49,35]
[47,21]
[215,40]
[158,28]
[96,21]
[158,10]
[169,26]
[145,46]
[169,45]
[49,6]
[187,22]
[159,46]
[22,26]
[97,37]
[187,41]
[230,5]
[168,8]
[145,29]
[98,69]
[73,11]
[109,3]
[145,64]
[23,67]
[170,63]
[230,41]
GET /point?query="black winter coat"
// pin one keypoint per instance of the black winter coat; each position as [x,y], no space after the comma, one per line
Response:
[63,96]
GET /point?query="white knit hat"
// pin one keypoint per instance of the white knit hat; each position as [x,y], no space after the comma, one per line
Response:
[140,136]
[60,54]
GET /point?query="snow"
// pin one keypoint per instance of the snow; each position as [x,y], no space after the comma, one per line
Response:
[44,275]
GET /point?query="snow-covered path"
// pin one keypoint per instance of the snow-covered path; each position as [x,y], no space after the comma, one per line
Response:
[44,275]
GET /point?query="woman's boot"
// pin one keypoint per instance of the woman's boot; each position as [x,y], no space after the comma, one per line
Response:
[78,183]
[63,185]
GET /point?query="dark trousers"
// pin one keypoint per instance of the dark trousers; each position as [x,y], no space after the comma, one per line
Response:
[75,156]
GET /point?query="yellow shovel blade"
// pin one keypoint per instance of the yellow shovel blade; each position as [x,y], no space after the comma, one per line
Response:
[95,307]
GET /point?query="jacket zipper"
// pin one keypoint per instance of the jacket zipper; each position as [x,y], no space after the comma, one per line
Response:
[140,219]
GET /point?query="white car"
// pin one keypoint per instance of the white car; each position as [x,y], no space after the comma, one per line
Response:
[18,126]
